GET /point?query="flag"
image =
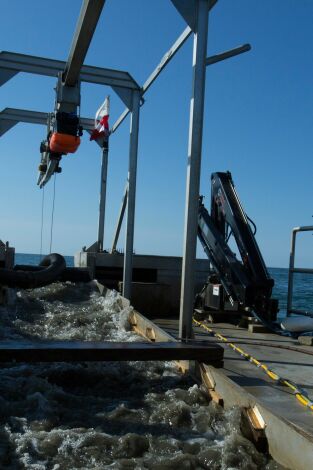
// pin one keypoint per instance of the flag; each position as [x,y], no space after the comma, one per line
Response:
[101,130]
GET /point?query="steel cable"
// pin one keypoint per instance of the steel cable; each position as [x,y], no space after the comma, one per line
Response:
[42,214]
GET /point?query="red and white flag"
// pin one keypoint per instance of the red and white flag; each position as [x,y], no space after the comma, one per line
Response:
[101,130]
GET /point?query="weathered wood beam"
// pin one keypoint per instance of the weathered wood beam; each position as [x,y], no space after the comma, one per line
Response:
[72,351]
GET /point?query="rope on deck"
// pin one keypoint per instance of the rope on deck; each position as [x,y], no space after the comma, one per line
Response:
[300,394]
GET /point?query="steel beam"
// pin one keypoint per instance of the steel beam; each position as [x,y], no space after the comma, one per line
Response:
[168,56]
[228,54]
[15,63]
[132,176]
[120,220]
[193,169]
[87,123]
[24,115]
[85,28]
[119,121]
[13,116]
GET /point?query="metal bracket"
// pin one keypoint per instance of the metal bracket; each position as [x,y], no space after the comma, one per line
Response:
[6,75]
[188,10]
[67,96]
[126,95]
[6,125]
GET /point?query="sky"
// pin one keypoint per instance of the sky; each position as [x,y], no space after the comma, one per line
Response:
[258,124]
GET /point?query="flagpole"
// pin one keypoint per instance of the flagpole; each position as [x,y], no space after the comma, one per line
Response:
[103,189]
[101,135]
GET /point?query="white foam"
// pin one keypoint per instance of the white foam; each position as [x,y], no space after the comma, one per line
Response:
[112,415]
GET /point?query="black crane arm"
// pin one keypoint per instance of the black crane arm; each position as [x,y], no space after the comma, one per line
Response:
[244,280]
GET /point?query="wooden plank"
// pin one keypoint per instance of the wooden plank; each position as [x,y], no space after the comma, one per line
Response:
[72,351]
[146,328]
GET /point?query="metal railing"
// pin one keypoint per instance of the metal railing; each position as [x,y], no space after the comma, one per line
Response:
[293,270]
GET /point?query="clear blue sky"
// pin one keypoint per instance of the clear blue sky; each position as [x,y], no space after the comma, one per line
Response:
[258,123]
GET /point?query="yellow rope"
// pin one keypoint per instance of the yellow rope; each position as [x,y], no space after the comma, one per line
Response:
[300,395]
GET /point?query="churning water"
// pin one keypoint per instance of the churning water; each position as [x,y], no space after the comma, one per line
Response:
[111,415]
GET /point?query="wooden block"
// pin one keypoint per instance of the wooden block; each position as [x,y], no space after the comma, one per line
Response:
[257,328]
[216,397]
[253,428]
[306,340]
[209,386]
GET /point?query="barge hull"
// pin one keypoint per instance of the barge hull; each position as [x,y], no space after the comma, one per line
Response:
[288,424]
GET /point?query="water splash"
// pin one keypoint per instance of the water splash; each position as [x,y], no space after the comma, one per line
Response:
[113,415]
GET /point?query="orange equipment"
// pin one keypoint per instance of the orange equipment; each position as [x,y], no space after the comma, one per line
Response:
[64,143]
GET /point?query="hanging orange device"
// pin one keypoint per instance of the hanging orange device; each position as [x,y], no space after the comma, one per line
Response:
[64,143]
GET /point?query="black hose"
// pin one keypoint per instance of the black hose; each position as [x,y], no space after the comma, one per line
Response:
[253,224]
[53,264]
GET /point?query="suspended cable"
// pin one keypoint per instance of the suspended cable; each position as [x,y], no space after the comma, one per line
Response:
[253,224]
[42,212]
[52,214]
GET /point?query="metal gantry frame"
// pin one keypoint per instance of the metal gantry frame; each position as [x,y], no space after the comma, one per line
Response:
[71,73]
[293,270]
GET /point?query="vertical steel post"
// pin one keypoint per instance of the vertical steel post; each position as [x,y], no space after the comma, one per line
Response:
[132,175]
[291,268]
[103,189]
[120,220]
[193,169]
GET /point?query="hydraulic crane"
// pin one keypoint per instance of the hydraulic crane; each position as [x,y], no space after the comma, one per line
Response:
[242,285]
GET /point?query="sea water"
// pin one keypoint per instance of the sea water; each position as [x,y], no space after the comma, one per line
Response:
[302,292]
[139,415]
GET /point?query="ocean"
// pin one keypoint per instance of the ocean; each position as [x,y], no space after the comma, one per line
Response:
[140,415]
[302,290]
[303,283]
